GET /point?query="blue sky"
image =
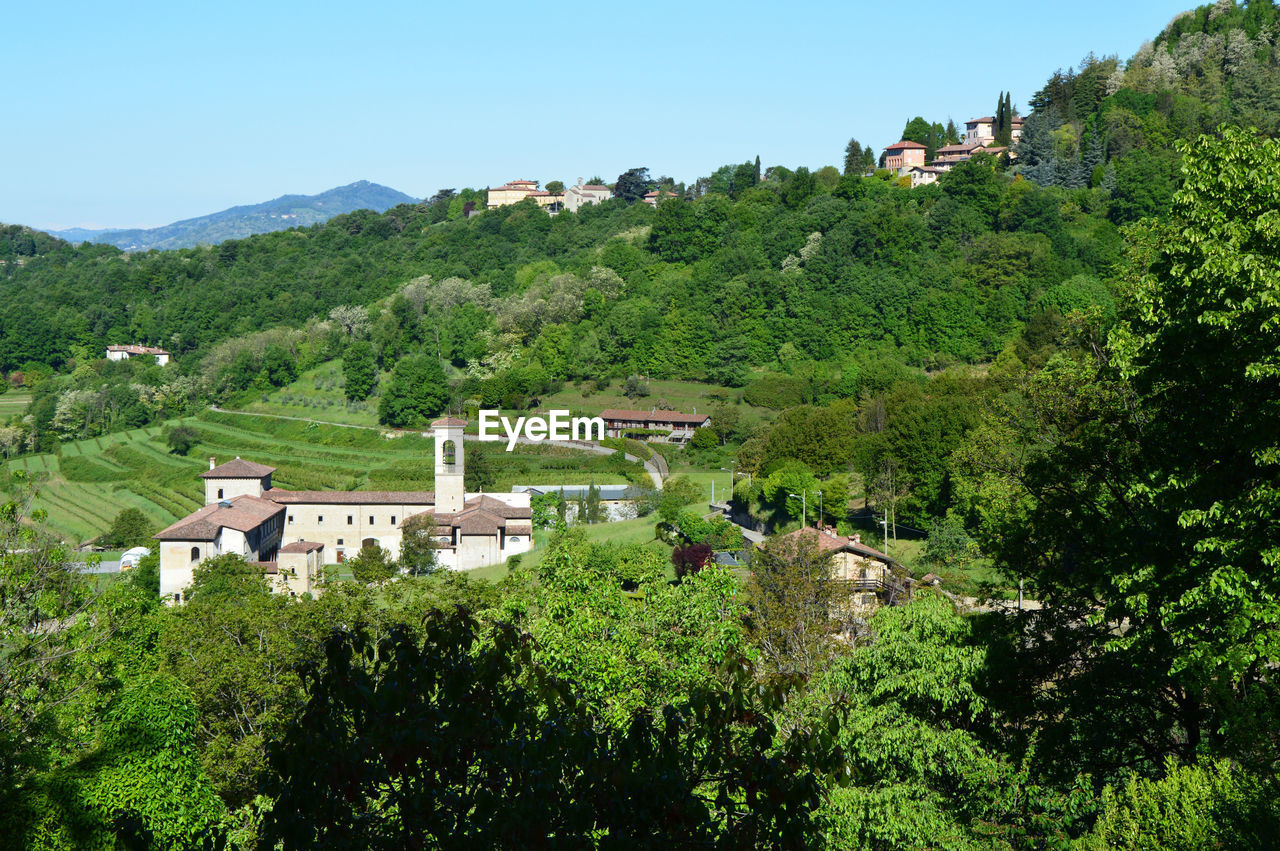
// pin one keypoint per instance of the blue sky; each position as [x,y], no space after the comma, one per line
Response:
[139,114]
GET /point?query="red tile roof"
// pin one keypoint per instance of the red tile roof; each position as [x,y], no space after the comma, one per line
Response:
[984,120]
[593,187]
[238,469]
[287,497]
[905,144]
[301,547]
[654,416]
[243,513]
[135,349]
[448,421]
[830,542]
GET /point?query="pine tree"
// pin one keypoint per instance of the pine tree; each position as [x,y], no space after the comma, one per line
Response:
[952,133]
[1035,152]
[1091,156]
[757,169]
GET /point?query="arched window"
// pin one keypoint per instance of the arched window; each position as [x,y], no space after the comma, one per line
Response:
[195,554]
[449,454]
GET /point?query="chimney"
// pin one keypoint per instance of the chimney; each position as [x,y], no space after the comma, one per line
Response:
[857,538]
[212,462]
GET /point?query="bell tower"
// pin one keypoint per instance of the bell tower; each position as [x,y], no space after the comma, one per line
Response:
[450,489]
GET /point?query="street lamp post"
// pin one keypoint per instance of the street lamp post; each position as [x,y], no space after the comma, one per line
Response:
[804,513]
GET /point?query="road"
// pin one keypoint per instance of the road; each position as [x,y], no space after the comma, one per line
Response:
[103,567]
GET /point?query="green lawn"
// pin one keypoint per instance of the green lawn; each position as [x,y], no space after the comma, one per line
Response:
[638,531]
[13,402]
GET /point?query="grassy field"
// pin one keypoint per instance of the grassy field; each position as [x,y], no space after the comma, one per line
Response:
[13,402]
[90,481]
[318,395]
[638,531]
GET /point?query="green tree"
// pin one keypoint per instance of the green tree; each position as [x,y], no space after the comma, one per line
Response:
[130,528]
[478,474]
[790,594]
[476,744]
[278,365]
[372,565]
[555,187]
[633,184]
[359,371]
[416,392]
[182,439]
[418,545]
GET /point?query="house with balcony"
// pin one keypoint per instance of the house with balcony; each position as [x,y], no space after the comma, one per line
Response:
[869,577]
[662,426]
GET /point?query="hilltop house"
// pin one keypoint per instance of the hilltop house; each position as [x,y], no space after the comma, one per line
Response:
[870,577]
[582,194]
[982,132]
[902,156]
[518,190]
[291,534]
[652,198]
[126,352]
[669,426]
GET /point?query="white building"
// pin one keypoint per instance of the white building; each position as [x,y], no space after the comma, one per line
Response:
[292,534]
[582,194]
[126,352]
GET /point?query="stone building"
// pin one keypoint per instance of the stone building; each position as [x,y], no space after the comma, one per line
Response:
[292,534]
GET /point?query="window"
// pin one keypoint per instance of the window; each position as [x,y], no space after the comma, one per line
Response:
[393,520]
[370,519]
[319,518]
[339,542]
[514,539]
[350,519]
[195,553]
[219,493]
[290,518]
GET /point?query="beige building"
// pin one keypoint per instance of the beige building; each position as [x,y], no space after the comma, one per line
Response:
[982,131]
[923,175]
[582,194]
[901,157]
[291,534]
[518,190]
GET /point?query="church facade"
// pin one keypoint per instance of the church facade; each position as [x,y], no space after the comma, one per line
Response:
[291,534]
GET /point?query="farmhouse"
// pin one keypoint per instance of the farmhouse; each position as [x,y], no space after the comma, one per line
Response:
[291,534]
[666,426]
[870,576]
[126,352]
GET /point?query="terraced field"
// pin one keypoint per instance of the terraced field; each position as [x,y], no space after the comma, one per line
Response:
[90,481]
[12,403]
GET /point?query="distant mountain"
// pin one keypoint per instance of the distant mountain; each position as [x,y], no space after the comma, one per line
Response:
[287,211]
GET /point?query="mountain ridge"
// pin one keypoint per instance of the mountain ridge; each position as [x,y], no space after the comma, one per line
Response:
[286,211]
